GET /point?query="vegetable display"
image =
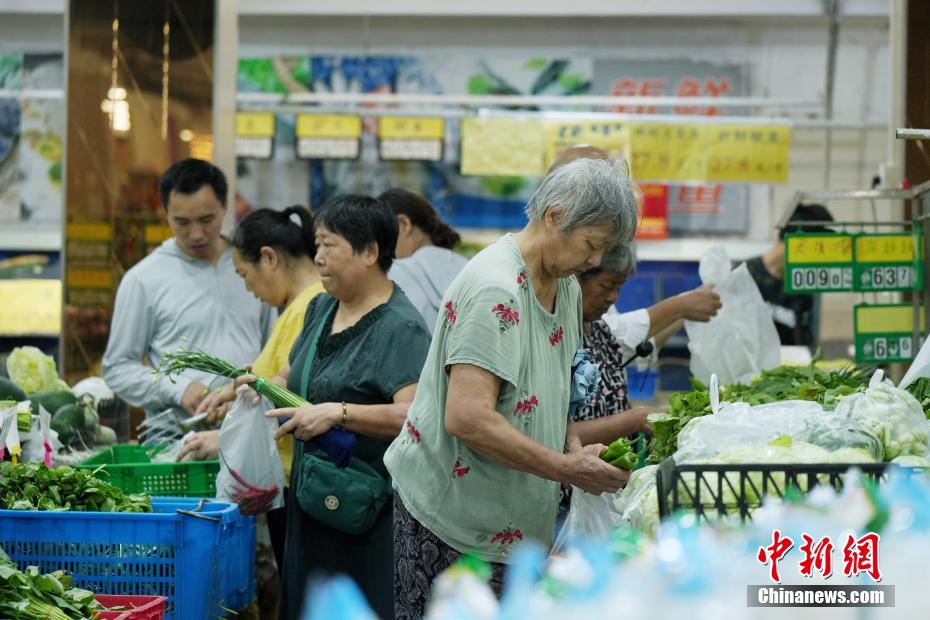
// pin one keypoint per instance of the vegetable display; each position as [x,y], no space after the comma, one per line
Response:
[810,383]
[32,370]
[32,486]
[893,415]
[33,596]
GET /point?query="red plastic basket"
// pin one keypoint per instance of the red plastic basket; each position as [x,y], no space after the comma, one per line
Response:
[137,607]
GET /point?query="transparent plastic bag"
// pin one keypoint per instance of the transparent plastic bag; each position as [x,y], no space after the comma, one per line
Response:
[638,502]
[833,432]
[249,457]
[741,340]
[895,416]
[738,424]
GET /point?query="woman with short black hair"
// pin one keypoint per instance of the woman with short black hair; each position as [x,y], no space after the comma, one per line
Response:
[426,264]
[358,361]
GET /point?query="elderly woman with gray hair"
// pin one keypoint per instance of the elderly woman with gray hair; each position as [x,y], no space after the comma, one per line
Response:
[487,442]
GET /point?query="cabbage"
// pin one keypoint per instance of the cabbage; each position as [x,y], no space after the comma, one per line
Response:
[32,370]
[909,460]
[834,432]
[893,415]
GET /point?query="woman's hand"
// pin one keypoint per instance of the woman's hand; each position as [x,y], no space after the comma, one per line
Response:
[202,446]
[584,469]
[217,404]
[641,414]
[307,422]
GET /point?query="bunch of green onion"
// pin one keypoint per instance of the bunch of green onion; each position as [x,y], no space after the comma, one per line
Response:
[177,362]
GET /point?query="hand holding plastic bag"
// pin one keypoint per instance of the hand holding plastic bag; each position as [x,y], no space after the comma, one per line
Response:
[250,468]
[741,340]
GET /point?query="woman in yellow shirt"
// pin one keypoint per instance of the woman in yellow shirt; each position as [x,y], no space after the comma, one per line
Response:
[273,252]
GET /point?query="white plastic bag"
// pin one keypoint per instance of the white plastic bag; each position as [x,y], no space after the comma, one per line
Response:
[590,517]
[741,340]
[248,448]
[920,367]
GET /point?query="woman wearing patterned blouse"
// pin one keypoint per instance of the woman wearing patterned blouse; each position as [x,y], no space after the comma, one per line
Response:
[487,441]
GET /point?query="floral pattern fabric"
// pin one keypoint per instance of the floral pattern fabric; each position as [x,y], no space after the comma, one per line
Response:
[419,557]
[467,500]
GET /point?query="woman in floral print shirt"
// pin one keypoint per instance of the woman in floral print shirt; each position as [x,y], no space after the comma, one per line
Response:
[487,441]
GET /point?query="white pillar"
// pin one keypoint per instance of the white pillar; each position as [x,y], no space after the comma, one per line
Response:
[225,64]
[897,108]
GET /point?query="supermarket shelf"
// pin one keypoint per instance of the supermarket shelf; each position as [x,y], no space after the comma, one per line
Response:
[13,237]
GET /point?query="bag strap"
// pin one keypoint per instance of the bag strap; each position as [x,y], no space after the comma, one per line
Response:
[311,354]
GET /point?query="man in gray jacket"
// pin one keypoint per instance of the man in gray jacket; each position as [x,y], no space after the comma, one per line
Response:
[184,294]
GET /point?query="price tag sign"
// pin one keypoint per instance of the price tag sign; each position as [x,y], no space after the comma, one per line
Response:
[888,262]
[255,135]
[884,333]
[818,263]
[328,136]
[410,138]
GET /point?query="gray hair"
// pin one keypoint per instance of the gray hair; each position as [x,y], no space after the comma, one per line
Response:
[588,192]
[620,259]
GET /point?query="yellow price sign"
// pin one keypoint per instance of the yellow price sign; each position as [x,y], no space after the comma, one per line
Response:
[819,249]
[502,147]
[32,307]
[885,248]
[255,124]
[612,136]
[411,128]
[751,153]
[886,319]
[328,126]
[669,151]
[88,231]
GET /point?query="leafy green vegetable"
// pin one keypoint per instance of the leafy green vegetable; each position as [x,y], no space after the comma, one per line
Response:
[33,596]
[31,369]
[920,389]
[32,486]
[782,383]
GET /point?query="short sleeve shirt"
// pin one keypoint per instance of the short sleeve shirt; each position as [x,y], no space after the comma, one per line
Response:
[492,319]
[364,364]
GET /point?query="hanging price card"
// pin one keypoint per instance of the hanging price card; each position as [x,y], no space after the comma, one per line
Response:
[328,136]
[884,333]
[254,134]
[818,263]
[410,138]
[888,262]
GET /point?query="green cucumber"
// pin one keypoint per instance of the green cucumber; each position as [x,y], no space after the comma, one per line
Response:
[67,421]
[52,400]
[11,391]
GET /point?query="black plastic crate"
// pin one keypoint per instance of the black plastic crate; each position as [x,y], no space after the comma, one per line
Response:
[714,491]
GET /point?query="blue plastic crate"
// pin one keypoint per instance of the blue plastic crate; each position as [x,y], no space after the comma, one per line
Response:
[203,565]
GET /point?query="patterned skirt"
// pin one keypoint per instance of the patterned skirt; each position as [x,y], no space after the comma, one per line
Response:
[419,557]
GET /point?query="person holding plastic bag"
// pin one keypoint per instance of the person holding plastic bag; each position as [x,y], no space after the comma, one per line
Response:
[487,440]
[273,253]
[740,341]
[358,360]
